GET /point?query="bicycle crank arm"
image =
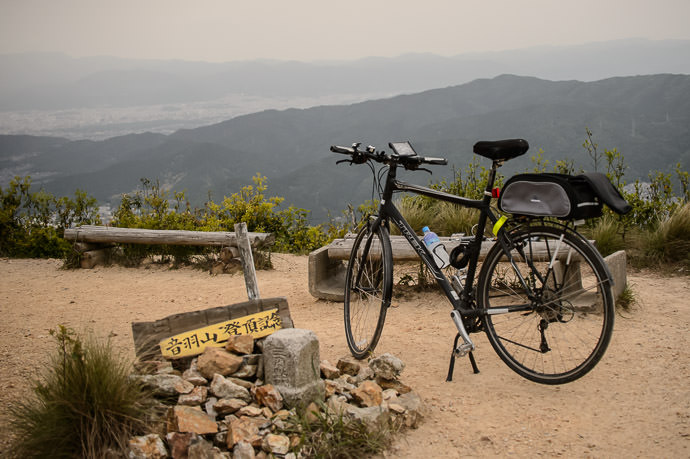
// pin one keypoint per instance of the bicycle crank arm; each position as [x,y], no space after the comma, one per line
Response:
[467,345]
[462,349]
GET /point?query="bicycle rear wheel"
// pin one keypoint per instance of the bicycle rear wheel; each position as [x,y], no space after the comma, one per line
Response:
[368,286]
[550,313]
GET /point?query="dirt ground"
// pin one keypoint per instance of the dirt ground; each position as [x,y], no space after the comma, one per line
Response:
[636,402]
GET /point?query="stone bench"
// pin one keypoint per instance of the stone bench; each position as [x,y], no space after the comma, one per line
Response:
[327,265]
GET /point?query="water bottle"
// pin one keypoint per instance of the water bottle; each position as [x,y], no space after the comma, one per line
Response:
[438,250]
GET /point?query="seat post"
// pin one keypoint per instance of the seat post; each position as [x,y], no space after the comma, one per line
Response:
[496,163]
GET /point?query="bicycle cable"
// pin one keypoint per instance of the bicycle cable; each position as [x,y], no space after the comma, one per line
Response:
[375,184]
[383,170]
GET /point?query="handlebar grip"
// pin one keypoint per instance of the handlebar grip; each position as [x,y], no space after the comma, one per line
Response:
[437,161]
[342,150]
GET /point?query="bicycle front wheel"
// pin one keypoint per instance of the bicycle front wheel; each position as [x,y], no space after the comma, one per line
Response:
[368,286]
[550,309]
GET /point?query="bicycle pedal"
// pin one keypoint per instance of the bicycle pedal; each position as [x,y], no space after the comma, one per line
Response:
[463,349]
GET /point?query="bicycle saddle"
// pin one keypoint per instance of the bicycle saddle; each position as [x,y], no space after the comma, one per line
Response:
[501,150]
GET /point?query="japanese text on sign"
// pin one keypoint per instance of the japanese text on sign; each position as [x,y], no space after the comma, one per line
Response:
[195,341]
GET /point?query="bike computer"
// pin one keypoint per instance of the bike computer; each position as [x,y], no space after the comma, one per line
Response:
[402,148]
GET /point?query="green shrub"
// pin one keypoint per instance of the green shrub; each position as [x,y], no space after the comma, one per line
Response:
[607,235]
[13,199]
[32,224]
[84,404]
[627,299]
[325,434]
[669,242]
[151,208]
[417,212]
[450,218]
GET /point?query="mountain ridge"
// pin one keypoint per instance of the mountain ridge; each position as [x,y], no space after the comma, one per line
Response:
[55,81]
[637,115]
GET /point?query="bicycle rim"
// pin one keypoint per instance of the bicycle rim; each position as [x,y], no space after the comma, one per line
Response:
[368,285]
[559,331]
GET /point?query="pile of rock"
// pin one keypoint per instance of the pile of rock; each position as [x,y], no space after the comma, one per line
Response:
[235,401]
[228,261]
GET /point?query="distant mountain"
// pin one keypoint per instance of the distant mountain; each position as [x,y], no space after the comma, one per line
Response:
[54,81]
[646,117]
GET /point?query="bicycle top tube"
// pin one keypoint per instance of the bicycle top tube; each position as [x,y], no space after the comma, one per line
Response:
[440,195]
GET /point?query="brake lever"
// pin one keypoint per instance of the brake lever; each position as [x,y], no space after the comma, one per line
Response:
[344,161]
[419,169]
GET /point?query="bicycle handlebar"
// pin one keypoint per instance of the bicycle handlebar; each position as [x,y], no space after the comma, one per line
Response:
[343,150]
[409,162]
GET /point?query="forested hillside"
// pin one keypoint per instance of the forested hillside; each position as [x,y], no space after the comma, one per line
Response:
[647,118]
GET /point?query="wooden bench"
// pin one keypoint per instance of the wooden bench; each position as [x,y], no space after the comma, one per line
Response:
[92,243]
[327,265]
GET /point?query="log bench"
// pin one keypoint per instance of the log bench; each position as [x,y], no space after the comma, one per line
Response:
[92,243]
[110,235]
[327,265]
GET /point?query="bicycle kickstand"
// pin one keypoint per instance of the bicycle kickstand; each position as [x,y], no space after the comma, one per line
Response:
[456,351]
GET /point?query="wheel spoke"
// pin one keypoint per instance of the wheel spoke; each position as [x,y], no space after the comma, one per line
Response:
[570,317]
[368,282]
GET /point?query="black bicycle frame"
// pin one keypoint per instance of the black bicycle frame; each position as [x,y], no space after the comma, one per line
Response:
[389,213]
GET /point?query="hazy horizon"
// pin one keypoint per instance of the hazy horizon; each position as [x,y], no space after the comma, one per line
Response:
[312,30]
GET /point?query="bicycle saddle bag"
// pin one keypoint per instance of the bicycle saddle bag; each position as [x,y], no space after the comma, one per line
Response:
[608,193]
[568,197]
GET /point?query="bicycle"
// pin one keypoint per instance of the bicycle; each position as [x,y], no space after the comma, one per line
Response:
[543,294]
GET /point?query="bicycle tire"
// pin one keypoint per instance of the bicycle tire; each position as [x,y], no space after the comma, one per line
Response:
[567,326]
[368,289]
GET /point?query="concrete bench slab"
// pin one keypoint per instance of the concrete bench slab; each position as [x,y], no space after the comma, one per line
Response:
[328,265]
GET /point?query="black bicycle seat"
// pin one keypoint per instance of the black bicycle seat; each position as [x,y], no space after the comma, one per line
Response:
[501,150]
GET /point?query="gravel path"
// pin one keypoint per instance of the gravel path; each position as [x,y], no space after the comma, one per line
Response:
[636,402]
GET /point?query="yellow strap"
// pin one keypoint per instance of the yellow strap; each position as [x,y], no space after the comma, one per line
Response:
[499,224]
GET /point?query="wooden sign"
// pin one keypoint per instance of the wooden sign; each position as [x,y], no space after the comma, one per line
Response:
[194,342]
[147,336]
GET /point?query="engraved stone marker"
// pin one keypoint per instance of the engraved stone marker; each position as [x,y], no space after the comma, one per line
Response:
[291,364]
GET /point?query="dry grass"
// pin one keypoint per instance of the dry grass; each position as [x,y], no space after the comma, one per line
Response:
[84,405]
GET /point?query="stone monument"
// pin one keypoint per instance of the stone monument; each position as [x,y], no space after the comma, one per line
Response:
[291,365]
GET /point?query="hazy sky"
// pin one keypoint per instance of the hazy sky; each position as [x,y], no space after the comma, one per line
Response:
[226,30]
